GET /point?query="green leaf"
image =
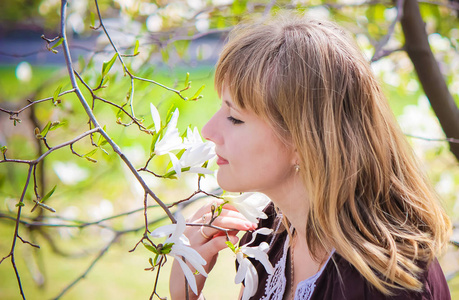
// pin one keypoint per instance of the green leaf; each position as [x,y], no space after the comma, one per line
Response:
[102,141]
[219,209]
[56,93]
[156,260]
[105,80]
[198,92]
[45,130]
[57,124]
[167,248]
[171,174]
[91,153]
[3,149]
[108,65]
[153,143]
[136,47]
[150,260]
[49,194]
[231,246]
[91,159]
[20,204]
[93,20]
[187,79]
[58,43]
[150,247]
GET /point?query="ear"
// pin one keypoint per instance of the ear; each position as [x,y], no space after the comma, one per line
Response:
[295,157]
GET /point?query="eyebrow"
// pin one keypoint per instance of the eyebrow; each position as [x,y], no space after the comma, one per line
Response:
[231,105]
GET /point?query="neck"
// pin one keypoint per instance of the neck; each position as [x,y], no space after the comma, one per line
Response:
[291,199]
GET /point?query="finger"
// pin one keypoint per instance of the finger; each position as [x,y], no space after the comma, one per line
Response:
[218,243]
[236,223]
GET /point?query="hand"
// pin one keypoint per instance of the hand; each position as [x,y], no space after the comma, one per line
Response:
[208,242]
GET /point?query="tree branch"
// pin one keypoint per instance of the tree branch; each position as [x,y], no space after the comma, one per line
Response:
[432,81]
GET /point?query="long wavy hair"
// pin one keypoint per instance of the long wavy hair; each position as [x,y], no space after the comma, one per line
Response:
[368,197]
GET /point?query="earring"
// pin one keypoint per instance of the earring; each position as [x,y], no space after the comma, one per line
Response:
[297,167]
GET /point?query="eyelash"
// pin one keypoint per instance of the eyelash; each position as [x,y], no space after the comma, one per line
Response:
[235,121]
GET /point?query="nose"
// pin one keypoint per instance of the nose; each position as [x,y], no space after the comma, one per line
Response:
[210,130]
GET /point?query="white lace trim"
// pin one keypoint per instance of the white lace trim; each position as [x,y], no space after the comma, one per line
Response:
[305,288]
[276,282]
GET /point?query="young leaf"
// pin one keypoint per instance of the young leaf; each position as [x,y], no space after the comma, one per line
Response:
[187,79]
[102,141]
[136,47]
[91,159]
[167,248]
[150,247]
[91,153]
[49,194]
[93,20]
[196,95]
[3,149]
[108,65]
[56,93]
[58,43]
[45,130]
[20,204]
[231,246]
[57,124]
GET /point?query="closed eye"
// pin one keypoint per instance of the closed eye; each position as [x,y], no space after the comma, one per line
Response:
[235,121]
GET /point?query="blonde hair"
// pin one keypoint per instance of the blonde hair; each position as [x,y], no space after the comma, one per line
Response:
[368,197]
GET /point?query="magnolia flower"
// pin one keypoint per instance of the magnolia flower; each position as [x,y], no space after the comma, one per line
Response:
[196,154]
[171,140]
[246,270]
[251,205]
[181,250]
[193,138]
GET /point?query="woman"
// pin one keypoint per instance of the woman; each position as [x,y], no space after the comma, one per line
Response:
[304,121]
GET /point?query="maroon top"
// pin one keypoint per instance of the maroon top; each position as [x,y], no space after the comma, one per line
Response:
[339,279]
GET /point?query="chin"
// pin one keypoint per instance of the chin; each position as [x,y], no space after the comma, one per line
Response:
[229,185]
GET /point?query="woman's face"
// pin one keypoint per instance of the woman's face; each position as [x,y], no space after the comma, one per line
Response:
[250,156]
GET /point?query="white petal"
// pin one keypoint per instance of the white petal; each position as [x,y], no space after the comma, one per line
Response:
[176,164]
[200,170]
[245,211]
[189,275]
[242,269]
[192,256]
[252,276]
[259,255]
[250,283]
[263,230]
[174,118]
[162,231]
[180,228]
[156,117]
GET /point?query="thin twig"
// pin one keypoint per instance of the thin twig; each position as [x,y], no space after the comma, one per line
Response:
[379,47]
[449,140]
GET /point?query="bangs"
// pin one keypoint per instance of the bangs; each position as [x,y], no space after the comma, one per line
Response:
[244,68]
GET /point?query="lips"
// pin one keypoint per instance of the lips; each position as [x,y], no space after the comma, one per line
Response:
[221,161]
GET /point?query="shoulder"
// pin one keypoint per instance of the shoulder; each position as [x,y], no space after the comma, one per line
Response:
[340,280]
